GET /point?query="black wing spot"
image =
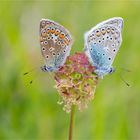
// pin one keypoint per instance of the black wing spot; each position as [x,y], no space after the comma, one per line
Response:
[97,31]
[59,43]
[43,48]
[45,42]
[53,54]
[103,29]
[48,38]
[109,58]
[47,56]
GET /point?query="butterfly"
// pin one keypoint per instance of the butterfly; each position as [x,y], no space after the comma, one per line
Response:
[55,42]
[102,43]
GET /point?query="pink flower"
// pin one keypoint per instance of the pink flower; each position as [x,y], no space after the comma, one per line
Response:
[76,82]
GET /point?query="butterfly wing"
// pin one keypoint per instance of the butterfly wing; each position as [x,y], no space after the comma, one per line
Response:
[55,42]
[102,43]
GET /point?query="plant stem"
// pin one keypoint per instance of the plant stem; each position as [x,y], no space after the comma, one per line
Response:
[71,122]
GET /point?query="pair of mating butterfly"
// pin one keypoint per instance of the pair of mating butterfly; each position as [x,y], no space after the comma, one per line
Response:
[102,43]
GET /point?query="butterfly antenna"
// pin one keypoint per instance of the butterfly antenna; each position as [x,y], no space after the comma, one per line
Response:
[30,71]
[34,69]
[126,70]
[124,80]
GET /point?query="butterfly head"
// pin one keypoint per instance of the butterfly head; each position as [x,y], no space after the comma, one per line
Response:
[102,72]
[47,68]
[112,70]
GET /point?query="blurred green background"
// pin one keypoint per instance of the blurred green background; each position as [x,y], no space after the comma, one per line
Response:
[31,111]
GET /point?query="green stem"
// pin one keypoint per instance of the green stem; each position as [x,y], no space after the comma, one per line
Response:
[71,122]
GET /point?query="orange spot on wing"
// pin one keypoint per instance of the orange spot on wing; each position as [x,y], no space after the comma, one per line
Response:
[52,31]
[98,33]
[61,36]
[66,41]
[44,34]
[57,32]
[48,31]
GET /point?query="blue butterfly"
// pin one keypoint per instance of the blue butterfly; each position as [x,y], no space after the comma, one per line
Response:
[102,43]
[55,42]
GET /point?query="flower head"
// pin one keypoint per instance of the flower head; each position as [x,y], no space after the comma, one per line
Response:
[76,82]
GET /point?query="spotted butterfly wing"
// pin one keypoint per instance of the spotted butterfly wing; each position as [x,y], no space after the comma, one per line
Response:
[55,42]
[102,43]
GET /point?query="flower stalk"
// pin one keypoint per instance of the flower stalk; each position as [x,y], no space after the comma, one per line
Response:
[72,113]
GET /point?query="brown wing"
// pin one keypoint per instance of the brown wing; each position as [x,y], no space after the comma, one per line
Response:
[54,39]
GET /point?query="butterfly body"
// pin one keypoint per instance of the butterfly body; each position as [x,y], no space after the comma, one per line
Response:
[102,43]
[55,42]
